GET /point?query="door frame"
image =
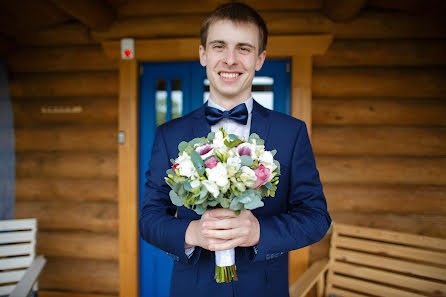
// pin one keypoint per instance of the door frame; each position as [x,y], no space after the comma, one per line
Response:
[298,48]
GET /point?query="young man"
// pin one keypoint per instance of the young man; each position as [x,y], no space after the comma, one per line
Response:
[233,42]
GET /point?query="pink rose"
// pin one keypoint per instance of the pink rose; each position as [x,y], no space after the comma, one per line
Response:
[211,162]
[262,174]
[204,149]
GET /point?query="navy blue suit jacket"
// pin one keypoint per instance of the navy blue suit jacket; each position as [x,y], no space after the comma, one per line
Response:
[296,217]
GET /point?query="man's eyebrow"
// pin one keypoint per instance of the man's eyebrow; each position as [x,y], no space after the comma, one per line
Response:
[245,44]
[217,41]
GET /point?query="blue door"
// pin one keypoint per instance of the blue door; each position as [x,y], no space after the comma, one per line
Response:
[168,91]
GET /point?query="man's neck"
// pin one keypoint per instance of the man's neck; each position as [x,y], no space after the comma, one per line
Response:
[229,103]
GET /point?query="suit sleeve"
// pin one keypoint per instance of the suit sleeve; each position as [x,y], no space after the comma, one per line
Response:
[306,220]
[157,222]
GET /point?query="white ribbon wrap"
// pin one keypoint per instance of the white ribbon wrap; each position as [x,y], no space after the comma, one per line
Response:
[225,258]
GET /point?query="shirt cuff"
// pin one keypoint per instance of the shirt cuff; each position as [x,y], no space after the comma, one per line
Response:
[189,251]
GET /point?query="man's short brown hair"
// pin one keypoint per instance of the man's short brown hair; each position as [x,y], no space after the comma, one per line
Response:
[238,13]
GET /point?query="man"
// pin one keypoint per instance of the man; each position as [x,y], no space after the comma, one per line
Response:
[233,42]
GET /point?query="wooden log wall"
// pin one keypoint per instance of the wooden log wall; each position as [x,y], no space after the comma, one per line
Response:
[379,123]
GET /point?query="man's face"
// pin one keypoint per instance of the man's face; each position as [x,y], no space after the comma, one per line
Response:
[231,58]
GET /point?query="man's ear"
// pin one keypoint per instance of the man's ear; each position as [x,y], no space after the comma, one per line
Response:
[260,60]
[202,53]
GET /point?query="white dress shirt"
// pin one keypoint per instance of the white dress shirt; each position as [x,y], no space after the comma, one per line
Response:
[231,127]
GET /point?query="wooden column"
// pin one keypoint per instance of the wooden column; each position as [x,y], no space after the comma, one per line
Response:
[128,179]
[301,89]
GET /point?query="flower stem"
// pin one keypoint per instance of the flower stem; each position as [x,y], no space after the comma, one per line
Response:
[225,274]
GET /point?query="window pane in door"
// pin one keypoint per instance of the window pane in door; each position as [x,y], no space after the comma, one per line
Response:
[177,99]
[161,101]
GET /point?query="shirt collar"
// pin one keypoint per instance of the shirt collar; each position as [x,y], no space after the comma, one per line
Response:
[248,102]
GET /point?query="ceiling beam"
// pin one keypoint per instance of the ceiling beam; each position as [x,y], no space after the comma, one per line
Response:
[96,14]
[343,10]
[418,7]
[6,46]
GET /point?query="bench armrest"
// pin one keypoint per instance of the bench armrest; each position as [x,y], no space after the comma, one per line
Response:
[308,279]
[29,279]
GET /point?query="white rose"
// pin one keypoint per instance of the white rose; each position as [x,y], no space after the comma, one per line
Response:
[248,176]
[195,183]
[266,158]
[186,166]
[211,187]
[233,165]
[218,174]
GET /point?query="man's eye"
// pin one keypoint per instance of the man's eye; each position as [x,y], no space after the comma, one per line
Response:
[245,49]
[218,46]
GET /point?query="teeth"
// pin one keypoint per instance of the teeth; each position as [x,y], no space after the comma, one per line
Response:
[228,75]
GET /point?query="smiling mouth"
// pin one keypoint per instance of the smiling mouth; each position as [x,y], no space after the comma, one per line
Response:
[229,75]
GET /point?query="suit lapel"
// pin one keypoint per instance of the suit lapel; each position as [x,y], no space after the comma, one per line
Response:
[201,127]
[259,121]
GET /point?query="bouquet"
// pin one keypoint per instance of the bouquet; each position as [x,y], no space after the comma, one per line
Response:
[222,170]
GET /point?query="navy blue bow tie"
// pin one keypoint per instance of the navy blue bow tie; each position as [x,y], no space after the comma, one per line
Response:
[238,114]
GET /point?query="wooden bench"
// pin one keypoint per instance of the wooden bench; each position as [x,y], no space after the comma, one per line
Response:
[367,262]
[19,267]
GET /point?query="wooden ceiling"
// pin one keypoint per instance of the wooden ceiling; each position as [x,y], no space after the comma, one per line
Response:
[19,19]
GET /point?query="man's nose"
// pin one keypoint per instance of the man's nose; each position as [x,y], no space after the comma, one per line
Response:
[231,57]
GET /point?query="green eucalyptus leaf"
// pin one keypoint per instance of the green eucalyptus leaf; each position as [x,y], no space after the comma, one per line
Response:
[212,203]
[187,186]
[198,162]
[199,209]
[211,136]
[233,136]
[278,167]
[270,186]
[246,161]
[254,204]
[195,141]
[182,146]
[176,200]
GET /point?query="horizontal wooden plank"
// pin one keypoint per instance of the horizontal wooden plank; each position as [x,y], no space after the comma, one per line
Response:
[429,225]
[23,224]
[76,275]
[6,290]
[385,170]
[71,215]
[401,199]
[67,164]
[427,287]
[383,140]
[64,84]
[63,34]
[55,293]
[17,236]
[344,293]
[379,82]
[69,138]
[407,268]
[93,110]
[55,59]
[78,245]
[146,8]
[400,238]
[11,276]
[15,262]
[369,25]
[16,249]
[421,252]
[378,111]
[66,189]
[383,53]
[369,287]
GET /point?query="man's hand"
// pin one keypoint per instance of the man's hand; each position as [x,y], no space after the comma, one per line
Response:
[221,229]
